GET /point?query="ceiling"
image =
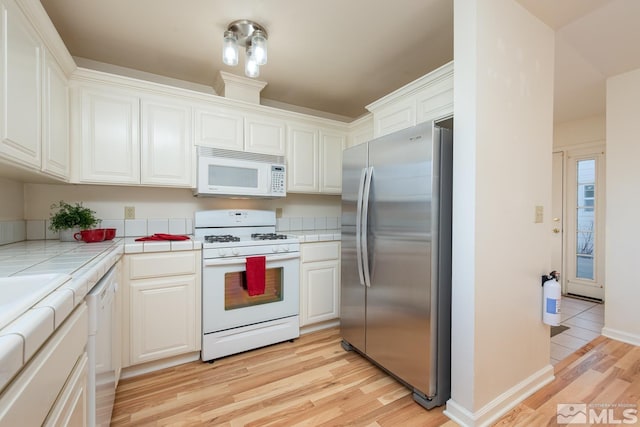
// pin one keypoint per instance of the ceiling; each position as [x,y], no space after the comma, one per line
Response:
[337,56]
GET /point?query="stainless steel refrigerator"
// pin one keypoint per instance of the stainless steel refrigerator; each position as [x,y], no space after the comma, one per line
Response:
[396,257]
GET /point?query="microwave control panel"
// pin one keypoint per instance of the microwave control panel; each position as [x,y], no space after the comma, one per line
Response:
[278,184]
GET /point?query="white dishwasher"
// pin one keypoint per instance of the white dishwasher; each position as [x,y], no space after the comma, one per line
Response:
[102,333]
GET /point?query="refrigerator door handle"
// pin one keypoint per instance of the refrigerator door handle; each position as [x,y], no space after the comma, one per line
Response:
[363,176]
[365,227]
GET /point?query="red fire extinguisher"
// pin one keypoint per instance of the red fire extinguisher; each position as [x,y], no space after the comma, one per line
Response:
[551,294]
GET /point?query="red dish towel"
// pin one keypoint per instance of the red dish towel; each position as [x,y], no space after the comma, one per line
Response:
[161,236]
[256,266]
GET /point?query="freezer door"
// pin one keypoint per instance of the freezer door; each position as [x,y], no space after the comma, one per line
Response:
[352,298]
[400,334]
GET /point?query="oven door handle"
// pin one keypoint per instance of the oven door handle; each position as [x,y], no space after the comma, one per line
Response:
[243,260]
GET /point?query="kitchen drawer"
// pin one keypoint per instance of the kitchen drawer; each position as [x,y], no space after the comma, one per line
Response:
[144,266]
[28,400]
[321,251]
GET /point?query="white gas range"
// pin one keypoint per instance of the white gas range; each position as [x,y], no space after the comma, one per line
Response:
[250,281]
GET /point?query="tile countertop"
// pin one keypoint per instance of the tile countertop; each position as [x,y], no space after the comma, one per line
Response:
[54,278]
[308,236]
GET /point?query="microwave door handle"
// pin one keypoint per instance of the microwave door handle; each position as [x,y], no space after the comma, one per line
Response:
[363,176]
[365,227]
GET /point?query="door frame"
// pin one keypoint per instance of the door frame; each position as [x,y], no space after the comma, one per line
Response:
[572,285]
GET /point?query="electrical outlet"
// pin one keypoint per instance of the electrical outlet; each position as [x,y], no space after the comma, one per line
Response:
[129,212]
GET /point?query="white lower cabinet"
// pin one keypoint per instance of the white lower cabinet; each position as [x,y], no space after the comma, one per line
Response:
[50,384]
[161,305]
[71,408]
[319,282]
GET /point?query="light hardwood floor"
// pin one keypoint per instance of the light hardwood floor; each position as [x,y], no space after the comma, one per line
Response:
[314,382]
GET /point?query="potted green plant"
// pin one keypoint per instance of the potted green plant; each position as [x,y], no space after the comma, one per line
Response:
[70,219]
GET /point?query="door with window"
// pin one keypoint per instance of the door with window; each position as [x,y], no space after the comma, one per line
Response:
[585,225]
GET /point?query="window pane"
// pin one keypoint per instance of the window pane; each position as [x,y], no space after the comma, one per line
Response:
[584,267]
[585,243]
[585,219]
[586,171]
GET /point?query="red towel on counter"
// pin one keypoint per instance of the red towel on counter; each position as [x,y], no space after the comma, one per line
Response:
[256,266]
[161,236]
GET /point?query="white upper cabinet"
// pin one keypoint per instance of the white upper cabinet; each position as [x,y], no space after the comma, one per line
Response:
[264,135]
[219,128]
[331,146]
[428,98]
[129,137]
[360,131]
[302,159]
[110,136]
[314,159]
[167,151]
[55,132]
[20,88]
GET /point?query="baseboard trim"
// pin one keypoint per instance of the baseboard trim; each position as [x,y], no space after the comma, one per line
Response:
[156,365]
[319,326]
[502,404]
[623,336]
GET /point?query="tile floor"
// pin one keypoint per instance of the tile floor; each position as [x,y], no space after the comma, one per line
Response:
[585,320]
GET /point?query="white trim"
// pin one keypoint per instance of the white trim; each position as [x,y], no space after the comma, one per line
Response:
[319,326]
[502,404]
[156,365]
[623,336]
[430,79]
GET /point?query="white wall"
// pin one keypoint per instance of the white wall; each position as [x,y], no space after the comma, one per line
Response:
[109,202]
[622,231]
[503,99]
[582,132]
[11,200]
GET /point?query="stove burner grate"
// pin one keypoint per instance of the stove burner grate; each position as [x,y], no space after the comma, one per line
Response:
[268,236]
[221,238]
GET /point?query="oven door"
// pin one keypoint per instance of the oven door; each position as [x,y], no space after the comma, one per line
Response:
[226,303]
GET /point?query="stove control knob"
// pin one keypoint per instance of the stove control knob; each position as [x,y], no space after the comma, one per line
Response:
[222,252]
[275,249]
[285,248]
[235,251]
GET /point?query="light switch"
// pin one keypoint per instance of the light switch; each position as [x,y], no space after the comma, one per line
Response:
[539,214]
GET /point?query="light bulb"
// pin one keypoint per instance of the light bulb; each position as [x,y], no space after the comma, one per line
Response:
[230,49]
[259,44]
[251,67]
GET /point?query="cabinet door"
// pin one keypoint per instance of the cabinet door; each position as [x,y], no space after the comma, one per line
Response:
[110,137]
[435,101]
[167,150]
[302,159]
[154,333]
[320,292]
[400,115]
[218,128]
[70,409]
[55,135]
[264,135]
[331,146]
[20,87]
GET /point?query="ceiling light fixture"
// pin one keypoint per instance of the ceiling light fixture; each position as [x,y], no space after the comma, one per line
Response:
[253,37]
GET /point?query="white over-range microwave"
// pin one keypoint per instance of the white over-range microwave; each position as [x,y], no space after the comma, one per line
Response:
[239,174]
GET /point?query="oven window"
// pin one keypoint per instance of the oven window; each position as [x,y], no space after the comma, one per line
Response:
[237,296]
